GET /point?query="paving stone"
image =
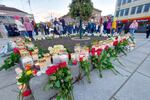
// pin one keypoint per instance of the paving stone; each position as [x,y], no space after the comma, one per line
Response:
[145,67]
[37,86]
[100,88]
[9,93]
[125,64]
[135,57]
[137,88]
[143,49]
[7,77]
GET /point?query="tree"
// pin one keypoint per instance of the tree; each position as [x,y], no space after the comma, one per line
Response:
[81,9]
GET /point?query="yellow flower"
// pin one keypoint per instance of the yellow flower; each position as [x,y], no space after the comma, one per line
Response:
[29,72]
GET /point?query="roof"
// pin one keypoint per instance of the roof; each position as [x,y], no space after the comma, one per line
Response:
[5,8]
[97,10]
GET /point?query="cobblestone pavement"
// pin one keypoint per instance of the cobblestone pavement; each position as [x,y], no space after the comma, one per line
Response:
[132,84]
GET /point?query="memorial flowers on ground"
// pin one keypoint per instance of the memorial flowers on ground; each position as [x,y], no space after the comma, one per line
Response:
[60,79]
[36,62]
[85,67]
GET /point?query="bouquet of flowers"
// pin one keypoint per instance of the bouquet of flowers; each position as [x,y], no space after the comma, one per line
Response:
[23,80]
[85,66]
[60,78]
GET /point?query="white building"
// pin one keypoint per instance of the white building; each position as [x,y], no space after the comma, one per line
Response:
[7,14]
[133,10]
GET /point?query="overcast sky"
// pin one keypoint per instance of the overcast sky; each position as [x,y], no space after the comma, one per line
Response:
[43,9]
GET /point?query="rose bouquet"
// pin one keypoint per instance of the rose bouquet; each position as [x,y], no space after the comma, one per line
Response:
[60,79]
[85,67]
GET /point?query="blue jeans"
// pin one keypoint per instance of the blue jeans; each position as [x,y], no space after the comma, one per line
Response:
[30,34]
[132,32]
[24,34]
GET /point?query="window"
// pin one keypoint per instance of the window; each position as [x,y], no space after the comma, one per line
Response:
[119,2]
[129,1]
[147,7]
[122,12]
[117,13]
[133,10]
[139,9]
[124,2]
[126,11]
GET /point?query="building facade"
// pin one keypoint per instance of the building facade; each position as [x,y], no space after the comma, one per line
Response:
[132,9]
[96,15]
[7,14]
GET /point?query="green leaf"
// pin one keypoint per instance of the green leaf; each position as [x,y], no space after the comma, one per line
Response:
[57,84]
[52,77]
[58,98]
[48,86]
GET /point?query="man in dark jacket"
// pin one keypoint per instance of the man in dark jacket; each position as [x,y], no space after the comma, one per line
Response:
[147,30]
[126,27]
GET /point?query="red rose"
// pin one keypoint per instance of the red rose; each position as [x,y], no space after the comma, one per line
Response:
[34,72]
[62,65]
[116,38]
[51,70]
[30,52]
[115,43]
[93,52]
[16,51]
[124,39]
[26,93]
[81,59]
[74,62]
[93,49]
[121,40]
[99,51]
[69,56]
[106,47]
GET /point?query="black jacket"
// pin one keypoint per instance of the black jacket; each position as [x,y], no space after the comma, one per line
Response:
[148,28]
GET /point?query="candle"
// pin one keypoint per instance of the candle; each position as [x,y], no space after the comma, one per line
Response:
[64,58]
[35,55]
[42,64]
[47,58]
[56,59]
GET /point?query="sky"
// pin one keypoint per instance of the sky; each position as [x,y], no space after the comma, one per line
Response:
[43,10]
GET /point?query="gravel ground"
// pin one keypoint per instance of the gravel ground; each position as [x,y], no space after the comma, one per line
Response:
[66,41]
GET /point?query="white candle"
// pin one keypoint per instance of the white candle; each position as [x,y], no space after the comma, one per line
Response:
[56,59]
[64,58]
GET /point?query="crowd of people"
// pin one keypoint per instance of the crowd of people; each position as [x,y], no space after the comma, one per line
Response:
[29,28]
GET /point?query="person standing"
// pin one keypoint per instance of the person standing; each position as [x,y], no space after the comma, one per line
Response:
[133,27]
[46,29]
[120,27]
[126,27]
[105,27]
[147,30]
[114,25]
[108,26]
[29,27]
[21,27]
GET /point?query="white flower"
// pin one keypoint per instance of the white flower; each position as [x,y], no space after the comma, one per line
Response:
[50,48]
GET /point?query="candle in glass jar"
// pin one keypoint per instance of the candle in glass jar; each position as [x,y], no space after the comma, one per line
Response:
[42,63]
[64,58]
[56,59]
[47,58]
[35,55]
